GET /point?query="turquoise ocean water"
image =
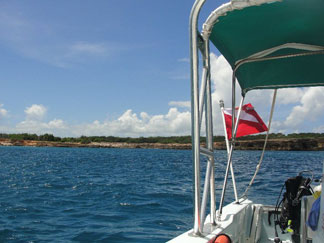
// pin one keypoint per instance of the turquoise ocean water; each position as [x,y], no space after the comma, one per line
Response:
[119,195]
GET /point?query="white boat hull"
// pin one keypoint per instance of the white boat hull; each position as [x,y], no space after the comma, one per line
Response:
[246,223]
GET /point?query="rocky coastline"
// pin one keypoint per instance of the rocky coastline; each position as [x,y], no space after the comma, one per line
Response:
[273,144]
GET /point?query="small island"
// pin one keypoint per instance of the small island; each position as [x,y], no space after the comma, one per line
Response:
[277,141]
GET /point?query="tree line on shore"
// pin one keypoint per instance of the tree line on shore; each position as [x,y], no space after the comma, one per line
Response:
[158,139]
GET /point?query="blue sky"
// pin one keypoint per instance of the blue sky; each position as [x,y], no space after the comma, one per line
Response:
[104,67]
[108,54]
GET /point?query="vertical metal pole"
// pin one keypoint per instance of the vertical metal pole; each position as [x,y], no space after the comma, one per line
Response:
[210,177]
[212,193]
[195,133]
[205,193]
[202,104]
[229,161]
[233,103]
[221,104]
[209,137]
[202,94]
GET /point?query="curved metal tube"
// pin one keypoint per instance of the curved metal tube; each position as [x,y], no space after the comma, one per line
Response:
[195,109]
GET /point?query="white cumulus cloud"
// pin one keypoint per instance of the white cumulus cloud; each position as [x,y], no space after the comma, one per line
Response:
[301,106]
[290,96]
[3,112]
[297,106]
[129,124]
[311,108]
[132,125]
[57,124]
[35,112]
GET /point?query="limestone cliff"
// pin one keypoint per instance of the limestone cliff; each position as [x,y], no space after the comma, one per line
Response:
[273,144]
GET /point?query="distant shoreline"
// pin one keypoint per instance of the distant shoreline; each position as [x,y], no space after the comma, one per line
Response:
[293,144]
[35,143]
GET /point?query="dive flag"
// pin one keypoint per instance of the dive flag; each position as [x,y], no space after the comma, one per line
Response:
[250,121]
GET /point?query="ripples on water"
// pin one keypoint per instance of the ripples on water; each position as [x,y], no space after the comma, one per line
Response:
[117,195]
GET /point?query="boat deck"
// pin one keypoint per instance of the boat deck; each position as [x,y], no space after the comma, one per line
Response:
[246,223]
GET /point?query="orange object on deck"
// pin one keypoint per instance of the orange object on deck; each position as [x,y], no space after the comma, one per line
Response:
[220,239]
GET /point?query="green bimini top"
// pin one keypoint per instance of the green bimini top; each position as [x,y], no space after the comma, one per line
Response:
[271,44]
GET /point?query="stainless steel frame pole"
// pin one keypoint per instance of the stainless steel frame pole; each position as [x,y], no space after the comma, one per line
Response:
[221,104]
[202,104]
[202,94]
[209,136]
[195,109]
[264,145]
[233,129]
[233,104]
[229,161]
[205,193]
[210,177]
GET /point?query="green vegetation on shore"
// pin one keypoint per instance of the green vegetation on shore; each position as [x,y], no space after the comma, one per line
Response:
[163,140]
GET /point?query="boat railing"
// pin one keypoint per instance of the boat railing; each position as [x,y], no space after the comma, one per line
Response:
[201,102]
[197,106]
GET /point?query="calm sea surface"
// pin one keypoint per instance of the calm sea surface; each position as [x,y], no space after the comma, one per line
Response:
[119,195]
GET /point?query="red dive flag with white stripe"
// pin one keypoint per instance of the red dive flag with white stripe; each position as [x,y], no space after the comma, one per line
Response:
[250,122]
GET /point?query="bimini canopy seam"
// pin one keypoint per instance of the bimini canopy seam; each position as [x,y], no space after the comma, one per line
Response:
[244,31]
[266,57]
[224,9]
[297,46]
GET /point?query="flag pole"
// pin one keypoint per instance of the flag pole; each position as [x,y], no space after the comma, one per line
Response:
[221,104]
[233,105]
[229,160]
